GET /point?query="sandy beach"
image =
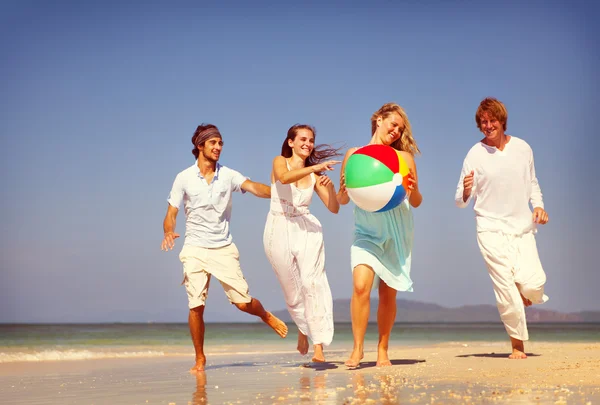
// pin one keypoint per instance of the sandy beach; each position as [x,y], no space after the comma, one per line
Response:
[463,372]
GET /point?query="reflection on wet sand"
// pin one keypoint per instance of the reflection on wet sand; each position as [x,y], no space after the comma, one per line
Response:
[199,397]
[420,377]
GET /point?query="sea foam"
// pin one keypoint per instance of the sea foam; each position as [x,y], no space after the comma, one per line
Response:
[73,354]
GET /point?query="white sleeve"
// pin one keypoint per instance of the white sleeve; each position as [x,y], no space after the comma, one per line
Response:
[237,179]
[458,196]
[536,192]
[176,194]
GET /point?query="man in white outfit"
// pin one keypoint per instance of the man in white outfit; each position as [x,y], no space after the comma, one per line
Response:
[499,175]
[205,189]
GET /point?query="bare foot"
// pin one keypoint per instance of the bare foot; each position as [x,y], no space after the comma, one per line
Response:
[278,326]
[355,358]
[382,358]
[199,366]
[319,356]
[526,302]
[517,354]
[518,349]
[302,343]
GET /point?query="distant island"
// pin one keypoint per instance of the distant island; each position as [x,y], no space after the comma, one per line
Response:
[414,312]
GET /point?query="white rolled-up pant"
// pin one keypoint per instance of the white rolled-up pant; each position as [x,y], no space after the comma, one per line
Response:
[294,246]
[515,268]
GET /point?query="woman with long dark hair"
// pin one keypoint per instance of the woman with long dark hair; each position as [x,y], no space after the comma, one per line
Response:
[293,237]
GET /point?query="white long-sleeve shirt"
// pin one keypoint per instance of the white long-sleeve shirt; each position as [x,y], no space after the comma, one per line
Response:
[504,184]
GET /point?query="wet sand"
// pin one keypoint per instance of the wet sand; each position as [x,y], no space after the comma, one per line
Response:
[454,373]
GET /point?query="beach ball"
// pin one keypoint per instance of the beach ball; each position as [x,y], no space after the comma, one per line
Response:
[376,178]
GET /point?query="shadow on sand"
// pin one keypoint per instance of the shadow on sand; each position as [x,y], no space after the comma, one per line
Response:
[240,364]
[494,355]
[328,365]
[398,362]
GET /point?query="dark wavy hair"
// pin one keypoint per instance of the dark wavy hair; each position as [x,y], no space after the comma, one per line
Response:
[319,153]
[201,128]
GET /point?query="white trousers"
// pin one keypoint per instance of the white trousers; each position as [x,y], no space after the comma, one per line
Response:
[515,268]
[295,248]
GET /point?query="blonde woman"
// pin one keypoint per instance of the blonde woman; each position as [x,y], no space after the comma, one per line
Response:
[381,251]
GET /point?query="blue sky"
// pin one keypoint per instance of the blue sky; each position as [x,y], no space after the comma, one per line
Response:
[99,101]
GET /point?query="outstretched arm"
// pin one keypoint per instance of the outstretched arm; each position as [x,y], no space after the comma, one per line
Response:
[326,192]
[286,176]
[169,229]
[258,189]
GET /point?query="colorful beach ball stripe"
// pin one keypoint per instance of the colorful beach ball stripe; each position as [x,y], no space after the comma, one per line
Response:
[376,178]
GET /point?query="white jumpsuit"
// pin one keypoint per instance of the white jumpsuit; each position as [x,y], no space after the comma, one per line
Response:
[293,241]
[504,186]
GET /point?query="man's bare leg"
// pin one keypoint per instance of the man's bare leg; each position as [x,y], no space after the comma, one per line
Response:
[254,307]
[360,306]
[302,343]
[518,349]
[196,324]
[386,315]
[319,356]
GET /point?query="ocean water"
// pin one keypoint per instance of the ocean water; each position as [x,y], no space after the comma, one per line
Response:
[52,342]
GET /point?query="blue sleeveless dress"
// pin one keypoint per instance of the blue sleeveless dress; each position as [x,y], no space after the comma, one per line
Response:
[384,241]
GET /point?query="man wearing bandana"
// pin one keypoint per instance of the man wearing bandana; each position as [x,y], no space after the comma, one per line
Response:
[205,189]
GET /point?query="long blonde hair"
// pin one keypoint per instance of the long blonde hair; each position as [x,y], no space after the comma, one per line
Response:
[406,142]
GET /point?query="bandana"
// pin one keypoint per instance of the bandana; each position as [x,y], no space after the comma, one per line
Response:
[206,135]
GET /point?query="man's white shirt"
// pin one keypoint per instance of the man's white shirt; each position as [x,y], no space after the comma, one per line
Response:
[207,206]
[504,185]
